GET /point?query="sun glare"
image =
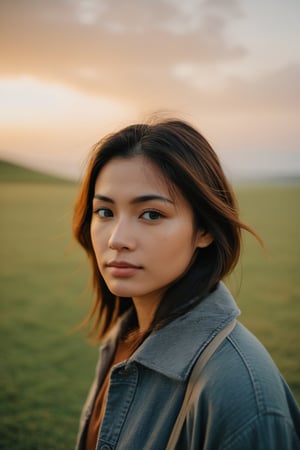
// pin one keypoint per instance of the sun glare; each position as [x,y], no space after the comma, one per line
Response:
[29,102]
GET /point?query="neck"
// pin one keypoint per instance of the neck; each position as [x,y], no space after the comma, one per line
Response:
[145,311]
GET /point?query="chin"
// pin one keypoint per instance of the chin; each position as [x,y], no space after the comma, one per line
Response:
[121,292]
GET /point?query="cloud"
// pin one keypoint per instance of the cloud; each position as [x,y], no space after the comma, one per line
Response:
[276,89]
[161,54]
[112,46]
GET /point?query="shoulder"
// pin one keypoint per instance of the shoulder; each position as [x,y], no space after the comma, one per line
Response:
[242,393]
[244,371]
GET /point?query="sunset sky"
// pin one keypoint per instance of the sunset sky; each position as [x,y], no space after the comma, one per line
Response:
[73,70]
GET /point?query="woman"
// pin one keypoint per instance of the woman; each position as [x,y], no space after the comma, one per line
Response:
[160,225]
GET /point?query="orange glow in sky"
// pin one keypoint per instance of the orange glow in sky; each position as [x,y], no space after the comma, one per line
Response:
[74,71]
[31,102]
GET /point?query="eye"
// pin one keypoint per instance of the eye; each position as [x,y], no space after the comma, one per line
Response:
[104,213]
[152,215]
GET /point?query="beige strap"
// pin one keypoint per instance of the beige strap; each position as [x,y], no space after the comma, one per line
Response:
[194,377]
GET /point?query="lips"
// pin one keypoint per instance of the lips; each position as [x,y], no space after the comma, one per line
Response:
[122,265]
[122,269]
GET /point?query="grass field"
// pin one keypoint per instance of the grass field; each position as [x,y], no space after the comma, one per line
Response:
[45,369]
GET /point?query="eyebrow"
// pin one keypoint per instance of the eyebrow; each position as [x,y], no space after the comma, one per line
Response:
[139,199]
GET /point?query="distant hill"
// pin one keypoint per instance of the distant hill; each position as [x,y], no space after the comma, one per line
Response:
[11,172]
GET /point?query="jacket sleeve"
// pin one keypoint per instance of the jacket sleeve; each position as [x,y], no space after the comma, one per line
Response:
[264,432]
[242,403]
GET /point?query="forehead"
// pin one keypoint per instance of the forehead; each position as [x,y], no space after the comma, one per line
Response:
[136,173]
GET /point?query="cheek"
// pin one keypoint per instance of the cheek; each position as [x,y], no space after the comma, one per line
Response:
[176,248]
[96,239]
[93,235]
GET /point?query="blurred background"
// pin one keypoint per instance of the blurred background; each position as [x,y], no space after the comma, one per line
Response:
[73,70]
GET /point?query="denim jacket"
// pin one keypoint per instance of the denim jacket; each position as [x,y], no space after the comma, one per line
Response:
[241,403]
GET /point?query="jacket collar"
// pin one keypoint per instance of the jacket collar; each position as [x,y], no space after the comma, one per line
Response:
[173,349]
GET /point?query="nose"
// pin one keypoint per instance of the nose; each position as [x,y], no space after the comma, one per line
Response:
[122,237]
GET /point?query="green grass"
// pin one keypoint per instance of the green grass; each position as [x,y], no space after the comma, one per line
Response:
[269,296]
[46,370]
[10,172]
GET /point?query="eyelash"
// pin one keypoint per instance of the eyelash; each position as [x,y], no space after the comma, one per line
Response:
[97,211]
[158,215]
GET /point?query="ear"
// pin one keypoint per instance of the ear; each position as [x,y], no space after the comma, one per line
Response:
[203,239]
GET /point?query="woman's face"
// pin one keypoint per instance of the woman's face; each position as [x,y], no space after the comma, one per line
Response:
[143,237]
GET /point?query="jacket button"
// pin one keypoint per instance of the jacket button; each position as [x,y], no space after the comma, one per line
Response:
[105,447]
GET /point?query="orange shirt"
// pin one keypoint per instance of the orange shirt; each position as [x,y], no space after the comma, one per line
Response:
[124,351]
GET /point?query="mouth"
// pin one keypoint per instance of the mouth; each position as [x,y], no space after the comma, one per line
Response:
[122,269]
[122,265]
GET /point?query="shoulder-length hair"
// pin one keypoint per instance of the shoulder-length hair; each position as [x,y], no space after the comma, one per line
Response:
[188,162]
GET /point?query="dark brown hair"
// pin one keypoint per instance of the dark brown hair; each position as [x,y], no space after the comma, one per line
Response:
[188,162]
